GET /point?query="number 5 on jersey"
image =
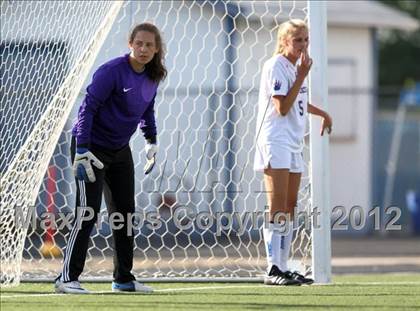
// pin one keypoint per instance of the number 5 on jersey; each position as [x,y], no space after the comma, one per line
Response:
[300,103]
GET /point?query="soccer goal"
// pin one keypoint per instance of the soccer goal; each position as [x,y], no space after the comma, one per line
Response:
[202,209]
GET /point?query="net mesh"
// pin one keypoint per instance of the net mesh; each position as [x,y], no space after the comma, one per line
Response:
[47,49]
[201,211]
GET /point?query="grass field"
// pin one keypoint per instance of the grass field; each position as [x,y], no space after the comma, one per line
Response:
[349,292]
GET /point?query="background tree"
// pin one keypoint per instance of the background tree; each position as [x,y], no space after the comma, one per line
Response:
[399,57]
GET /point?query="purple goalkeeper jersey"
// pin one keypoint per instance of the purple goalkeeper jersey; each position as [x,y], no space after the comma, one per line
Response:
[118,100]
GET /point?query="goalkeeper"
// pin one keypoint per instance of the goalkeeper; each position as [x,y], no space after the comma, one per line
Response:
[120,98]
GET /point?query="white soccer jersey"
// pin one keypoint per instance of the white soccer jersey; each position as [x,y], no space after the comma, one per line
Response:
[273,129]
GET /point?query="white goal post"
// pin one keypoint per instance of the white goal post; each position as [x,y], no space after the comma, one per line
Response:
[319,147]
[208,202]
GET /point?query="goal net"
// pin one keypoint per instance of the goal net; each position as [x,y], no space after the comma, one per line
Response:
[201,211]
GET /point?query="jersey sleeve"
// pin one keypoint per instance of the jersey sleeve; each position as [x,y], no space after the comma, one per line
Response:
[148,123]
[278,82]
[97,94]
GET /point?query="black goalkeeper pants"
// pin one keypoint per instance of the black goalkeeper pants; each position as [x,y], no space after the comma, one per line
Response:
[116,181]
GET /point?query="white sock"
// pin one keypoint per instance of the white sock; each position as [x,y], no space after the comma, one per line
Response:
[272,245]
[285,243]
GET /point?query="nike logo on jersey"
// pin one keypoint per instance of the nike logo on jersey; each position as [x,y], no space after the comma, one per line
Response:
[126,90]
[277,85]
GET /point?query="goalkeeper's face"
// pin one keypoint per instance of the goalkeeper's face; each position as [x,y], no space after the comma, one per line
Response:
[143,47]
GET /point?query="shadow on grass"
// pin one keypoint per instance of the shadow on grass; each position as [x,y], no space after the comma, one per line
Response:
[139,305]
[270,293]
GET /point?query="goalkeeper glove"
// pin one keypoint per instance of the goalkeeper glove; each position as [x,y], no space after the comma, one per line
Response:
[82,166]
[151,150]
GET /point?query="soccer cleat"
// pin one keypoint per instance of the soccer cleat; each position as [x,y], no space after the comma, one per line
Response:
[302,279]
[72,287]
[132,286]
[277,277]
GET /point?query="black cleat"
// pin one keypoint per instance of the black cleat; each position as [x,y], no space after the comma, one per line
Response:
[299,277]
[277,277]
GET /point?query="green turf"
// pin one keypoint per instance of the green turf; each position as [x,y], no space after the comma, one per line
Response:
[351,292]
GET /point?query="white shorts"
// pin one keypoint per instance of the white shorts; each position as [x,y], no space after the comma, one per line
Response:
[278,157]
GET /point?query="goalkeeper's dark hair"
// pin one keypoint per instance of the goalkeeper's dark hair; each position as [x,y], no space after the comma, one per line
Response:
[155,69]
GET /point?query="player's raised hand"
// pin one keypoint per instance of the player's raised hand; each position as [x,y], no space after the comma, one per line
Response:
[305,64]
